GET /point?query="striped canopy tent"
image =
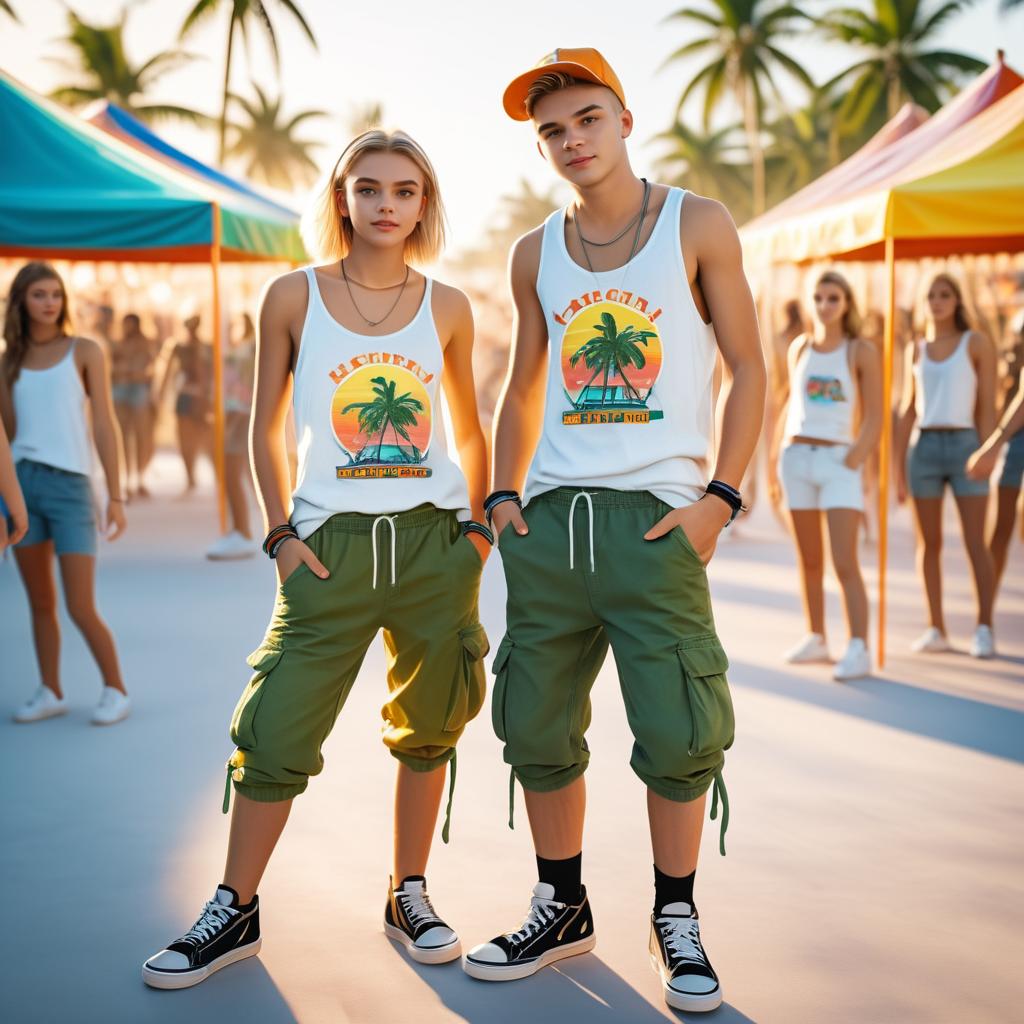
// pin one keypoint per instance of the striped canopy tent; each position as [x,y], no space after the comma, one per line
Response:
[961,193]
[71,191]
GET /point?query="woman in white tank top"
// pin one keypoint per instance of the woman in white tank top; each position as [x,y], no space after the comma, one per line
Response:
[52,385]
[376,535]
[833,375]
[949,395]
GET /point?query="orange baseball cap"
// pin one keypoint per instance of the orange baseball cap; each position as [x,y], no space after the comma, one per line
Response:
[582,62]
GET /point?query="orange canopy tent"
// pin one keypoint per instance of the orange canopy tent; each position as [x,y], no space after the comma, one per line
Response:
[962,193]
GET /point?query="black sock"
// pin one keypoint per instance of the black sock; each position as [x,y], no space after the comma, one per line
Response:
[564,875]
[670,889]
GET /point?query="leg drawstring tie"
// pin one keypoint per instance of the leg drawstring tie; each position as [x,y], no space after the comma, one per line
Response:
[227,789]
[446,831]
[590,528]
[390,520]
[718,787]
[511,797]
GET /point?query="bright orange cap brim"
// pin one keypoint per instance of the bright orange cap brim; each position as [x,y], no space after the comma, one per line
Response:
[514,100]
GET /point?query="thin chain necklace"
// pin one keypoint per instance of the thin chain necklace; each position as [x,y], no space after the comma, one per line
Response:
[369,322]
[639,220]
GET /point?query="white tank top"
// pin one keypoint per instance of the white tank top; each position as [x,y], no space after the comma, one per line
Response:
[630,362]
[368,420]
[51,425]
[945,393]
[821,398]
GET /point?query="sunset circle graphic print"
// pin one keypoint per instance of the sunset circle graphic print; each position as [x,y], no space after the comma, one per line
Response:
[611,357]
[380,416]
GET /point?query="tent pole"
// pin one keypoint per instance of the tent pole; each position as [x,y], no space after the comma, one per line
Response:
[885,456]
[218,374]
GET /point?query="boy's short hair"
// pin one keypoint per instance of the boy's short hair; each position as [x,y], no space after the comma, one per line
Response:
[556,81]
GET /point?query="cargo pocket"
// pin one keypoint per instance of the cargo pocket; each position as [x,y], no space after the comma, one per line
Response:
[467,695]
[499,697]
[263,661]
[712,722]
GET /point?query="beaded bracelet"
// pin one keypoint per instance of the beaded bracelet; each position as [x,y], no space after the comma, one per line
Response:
[472,526]
[277,534]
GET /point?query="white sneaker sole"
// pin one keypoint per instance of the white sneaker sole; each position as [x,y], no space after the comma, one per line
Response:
[111,721]
[681,1001]
[513,972]
[822,658]
[186,979]
[40,717]
[431,955]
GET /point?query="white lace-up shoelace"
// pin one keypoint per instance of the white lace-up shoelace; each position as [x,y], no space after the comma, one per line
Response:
[540,916]
[590,528]
[213,918]
[390,520]
[682,940]
[417,906]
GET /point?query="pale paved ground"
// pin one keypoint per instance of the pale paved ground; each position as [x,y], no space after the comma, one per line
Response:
[875,852]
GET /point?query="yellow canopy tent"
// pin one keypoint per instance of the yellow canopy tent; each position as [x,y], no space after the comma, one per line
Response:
[963,195]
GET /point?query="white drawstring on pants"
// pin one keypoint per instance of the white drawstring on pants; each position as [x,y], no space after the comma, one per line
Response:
[590,528]
[390,520]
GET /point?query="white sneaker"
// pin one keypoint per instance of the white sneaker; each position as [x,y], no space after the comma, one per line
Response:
[855,663]
[44,703]
[983,643]
[931,641]
[811,648]
[232,545]
[113,707]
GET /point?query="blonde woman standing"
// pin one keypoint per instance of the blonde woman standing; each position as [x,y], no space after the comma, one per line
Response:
[949,395]
[377,535]
[835,379]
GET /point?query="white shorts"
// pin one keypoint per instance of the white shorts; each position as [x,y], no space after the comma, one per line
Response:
[814,477]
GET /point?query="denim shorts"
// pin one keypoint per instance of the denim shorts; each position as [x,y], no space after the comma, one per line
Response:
[1012,473]
[938,457]
[60,508]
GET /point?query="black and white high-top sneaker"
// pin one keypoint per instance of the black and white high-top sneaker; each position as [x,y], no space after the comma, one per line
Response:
[552,931]
[224,934]
[677,956]
[410,919]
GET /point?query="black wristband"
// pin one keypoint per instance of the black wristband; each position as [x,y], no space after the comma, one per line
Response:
[496,498]
[280,542]
[270,542]
[729,495]
[472,526]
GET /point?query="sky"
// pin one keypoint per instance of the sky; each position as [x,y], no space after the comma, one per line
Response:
[439,70]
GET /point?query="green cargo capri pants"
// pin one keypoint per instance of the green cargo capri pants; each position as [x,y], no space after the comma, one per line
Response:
[584,579]
[412,574]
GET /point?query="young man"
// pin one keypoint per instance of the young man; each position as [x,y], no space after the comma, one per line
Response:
[622,298]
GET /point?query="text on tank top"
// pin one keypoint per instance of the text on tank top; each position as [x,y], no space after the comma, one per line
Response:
[822,394]
[368,419]
[51,425]
[946,391]
[630,363]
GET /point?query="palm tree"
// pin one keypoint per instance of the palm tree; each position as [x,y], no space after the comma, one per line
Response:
[705,162]
[895,37]
[268,144]
[365,116]
[518,212]
[611,351]
[107,73]
[388,410]
[743,46]
[242,14]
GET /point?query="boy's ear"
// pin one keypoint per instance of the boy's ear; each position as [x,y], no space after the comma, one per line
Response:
[626,121]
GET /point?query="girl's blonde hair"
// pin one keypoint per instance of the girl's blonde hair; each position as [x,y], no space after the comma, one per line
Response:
[328,235]
[851,318]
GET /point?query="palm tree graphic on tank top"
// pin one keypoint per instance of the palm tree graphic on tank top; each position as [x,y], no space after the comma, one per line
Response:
[611,358]
[381,418]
